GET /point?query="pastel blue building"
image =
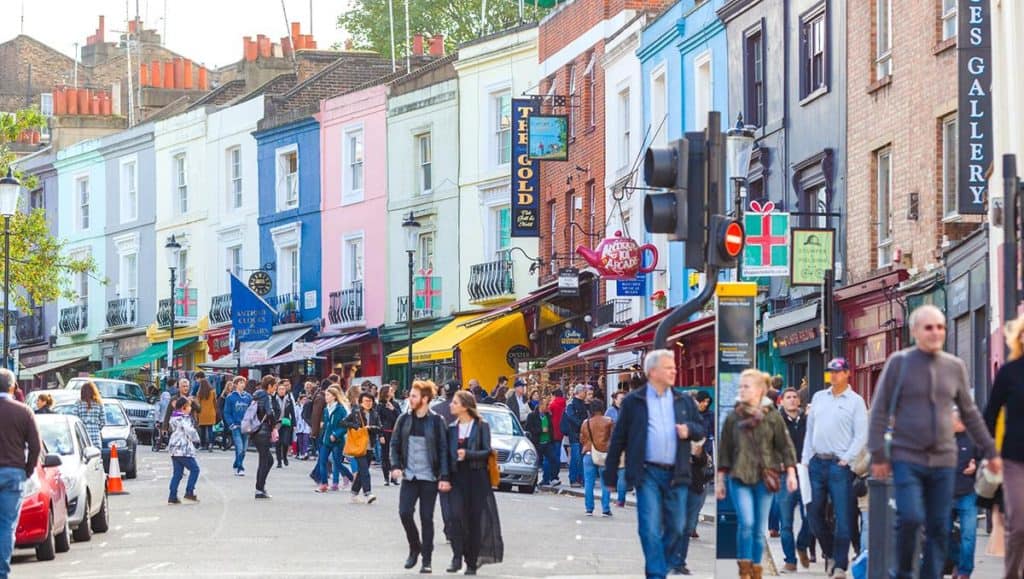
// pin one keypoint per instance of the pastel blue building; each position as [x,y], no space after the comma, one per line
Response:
[683,60]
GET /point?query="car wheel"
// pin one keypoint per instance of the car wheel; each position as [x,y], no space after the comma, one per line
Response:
[62,542]
[527,490]
[134,470]
[83,533]
[101,522]
[504,487]
[47,550]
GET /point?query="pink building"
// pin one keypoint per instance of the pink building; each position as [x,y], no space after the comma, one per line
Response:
[353,148]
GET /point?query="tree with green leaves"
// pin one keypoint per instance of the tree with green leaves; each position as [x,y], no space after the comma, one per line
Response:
[368,21]
[40,270]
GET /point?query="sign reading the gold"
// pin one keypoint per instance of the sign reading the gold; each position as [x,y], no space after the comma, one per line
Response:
[525,172]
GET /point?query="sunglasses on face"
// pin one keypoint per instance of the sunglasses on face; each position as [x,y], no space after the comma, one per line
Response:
[934,327]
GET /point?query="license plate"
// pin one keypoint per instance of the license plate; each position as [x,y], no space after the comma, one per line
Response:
[501,468]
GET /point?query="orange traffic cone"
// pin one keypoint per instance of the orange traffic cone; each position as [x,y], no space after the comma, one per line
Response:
[114,486]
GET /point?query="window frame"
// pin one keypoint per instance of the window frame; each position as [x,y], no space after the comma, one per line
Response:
[884,244]
[571,72]
[625,130]
[949,131]
[129,189]
[754,69]
[659,96]
[348,279]
[182,267]
[590,74]
[553,240]
[179,165]
[234,174]
[811,59]
[883,61]
[232,265]
[701,61]
[83,199]
[281,176]
[353,141]
[498,240]
[501,138]
[425,238]
[947,15]
[424,169]
[132,289]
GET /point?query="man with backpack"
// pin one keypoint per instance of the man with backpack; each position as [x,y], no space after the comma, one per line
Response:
[575,413]
[234,410]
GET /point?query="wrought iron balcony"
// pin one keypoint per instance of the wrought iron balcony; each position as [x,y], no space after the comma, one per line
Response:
[220,309]
[29,328]
[73,320]
[614,313]
[163,316]
[122,313]
[417,313]
[492,281]
[288,307]
[346,306]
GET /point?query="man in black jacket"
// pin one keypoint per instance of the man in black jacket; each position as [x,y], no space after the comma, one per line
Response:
[19,454]
[420,459]
[575,413]
[654,429]
[796,425]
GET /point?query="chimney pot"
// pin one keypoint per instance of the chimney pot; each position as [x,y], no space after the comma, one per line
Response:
[143,74]
[168,74]
[203,81]
[286,46]
[155,78]
[60,105]
[437,45]
[187,73]
[101,30]
[296,29]
[71,96]
[417,44]
[179,72]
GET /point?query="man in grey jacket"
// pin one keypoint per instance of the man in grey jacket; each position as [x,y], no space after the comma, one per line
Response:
[921,384]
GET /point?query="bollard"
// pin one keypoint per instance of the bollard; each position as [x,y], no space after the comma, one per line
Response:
[881,527]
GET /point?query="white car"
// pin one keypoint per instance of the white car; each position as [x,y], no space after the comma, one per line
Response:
[81,469]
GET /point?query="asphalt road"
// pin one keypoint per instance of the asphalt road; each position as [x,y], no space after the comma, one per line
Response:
[300,533]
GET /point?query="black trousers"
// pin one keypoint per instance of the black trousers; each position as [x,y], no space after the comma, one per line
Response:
[446,516]
[469,493]
[385,459]
[262,442]
[362,482]
[284,442]
[424,492]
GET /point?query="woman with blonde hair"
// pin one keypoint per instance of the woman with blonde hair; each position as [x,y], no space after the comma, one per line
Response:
[753,448]
[1007,399]
[90,410]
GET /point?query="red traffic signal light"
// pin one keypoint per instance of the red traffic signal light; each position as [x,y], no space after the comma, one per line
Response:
[725,242]
[732,243]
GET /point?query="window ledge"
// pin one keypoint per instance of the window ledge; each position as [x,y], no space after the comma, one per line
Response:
[814,96]
[953,218]
[878,84]
[944,45]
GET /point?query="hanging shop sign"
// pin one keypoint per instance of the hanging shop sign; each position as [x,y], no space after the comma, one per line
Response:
[734,339]
[798,338]
[517,354]
[569,282]
[766,252]
[305,350]
[571,337]
[251,317]
[525,172]
[260,283]
[549,137]
[631,288]
[813,253]
[619,257]
[974,103]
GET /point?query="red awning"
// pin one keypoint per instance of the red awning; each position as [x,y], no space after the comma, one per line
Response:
[646,339]
[565,359]
[598,347]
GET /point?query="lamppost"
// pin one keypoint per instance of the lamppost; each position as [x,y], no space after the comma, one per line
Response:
[172,247]
[412,238]
[9,189]
[739,144]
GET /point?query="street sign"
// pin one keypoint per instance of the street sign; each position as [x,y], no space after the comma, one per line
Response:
[767,244]
[813,252]
[631,288]
[569,282]
[733,241]
[305,350]
[252,356]
[260,283]
[252,318]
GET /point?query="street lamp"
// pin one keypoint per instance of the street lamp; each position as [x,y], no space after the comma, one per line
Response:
[412,238]
[173,247]
[739,144]
[9,189]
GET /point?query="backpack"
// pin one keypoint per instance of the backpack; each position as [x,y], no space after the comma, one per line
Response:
[250,422]
[307,412]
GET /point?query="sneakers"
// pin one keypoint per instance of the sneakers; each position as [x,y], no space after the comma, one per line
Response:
[370,499]
[334,487]
[173,502]
[357,499]
[321,489]
[192,498]
[606,514]
[239,472]
[262,495]
[789,568]
[575,485]
[839,574]
[556,482]
[410,562]
[590,513]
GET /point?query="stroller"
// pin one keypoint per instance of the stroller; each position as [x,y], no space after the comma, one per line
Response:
[161,436]
[222,436]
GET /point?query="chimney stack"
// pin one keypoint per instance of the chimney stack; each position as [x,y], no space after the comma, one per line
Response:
[143,74]
[187,74]
[179,72]
[155,78]
[203,81]
[417,44]
[437,45]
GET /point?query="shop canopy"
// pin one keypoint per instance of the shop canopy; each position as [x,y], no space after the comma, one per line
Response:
[273,346]
[598,347]
[322,345]
[646,339]
[34,371]
[147,356]
[565,359]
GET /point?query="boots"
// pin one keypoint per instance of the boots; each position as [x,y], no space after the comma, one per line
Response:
[746,569]
[756,572]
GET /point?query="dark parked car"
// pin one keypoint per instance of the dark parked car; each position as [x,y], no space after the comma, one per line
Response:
[118,431]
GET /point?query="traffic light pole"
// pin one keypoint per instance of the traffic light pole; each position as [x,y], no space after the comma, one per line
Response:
[1011,195]
[684,311]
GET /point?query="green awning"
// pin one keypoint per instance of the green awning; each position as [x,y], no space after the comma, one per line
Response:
[147,356]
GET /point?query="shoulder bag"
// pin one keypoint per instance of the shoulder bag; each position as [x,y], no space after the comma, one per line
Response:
[892,408]
[358,440]
[599,457]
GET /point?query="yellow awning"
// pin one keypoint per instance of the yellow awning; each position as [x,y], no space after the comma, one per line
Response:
[440,345]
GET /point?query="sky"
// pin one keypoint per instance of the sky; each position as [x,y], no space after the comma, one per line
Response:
[207,31]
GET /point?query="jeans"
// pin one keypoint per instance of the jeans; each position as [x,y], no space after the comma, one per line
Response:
[205,436]
[424,492]
[694,502]
[179,464]
[262,442]
[752,503]
[829,481]
[774,521]
[552,461]
[11,482]
[362,482]
[923,497]
[962,552]
[241,442]
[575,463]
[591,474]
[661,518]
[333,455]
[620,485]
[788,502]
[302,440]
[284,442]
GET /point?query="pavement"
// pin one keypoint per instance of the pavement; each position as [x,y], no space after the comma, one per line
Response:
[300,533]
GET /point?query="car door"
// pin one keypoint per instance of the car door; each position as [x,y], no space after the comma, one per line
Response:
[94,475]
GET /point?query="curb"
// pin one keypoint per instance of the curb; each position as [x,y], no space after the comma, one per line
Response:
[705,516]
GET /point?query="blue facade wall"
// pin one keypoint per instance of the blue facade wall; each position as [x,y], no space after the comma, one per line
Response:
[305,135]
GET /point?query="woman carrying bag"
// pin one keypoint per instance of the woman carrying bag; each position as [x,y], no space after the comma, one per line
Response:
[207,398]
[476,538]
[363,425]
[753,446]
[284,409]
[332,440]
[595,434]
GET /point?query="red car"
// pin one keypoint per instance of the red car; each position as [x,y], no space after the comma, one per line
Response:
[43,523]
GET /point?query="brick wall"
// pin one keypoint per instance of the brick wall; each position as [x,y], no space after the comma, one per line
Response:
[573,19]
[49,67]
[903,112]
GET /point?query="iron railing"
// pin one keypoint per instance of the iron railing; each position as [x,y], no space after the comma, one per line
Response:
[346,306]
[417,313]
[163,316]
[220,309]
[491,280]
[30,329]
[288,307]
[122,312]
[74,319]
[615,313]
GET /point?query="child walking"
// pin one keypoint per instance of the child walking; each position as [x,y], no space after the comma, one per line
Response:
[302,428]
[182,446]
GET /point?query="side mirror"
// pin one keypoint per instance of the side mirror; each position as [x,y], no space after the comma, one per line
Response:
[92,452]
[51,460]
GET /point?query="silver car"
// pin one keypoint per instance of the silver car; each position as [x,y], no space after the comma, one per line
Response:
[141,413]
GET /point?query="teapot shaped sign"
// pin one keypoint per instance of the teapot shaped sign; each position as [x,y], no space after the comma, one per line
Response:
[619,257]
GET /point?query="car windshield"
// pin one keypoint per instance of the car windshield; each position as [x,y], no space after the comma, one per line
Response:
[111,413]
[57,436]
[502,423]
[121,391]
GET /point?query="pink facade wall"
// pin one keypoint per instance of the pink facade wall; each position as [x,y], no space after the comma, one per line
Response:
[366,108]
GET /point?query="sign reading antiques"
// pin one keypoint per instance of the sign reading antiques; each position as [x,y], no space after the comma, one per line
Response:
[525,172]
[974,104]
[260,283]
[735,350]
[251,317]
[813,252]
[766,252]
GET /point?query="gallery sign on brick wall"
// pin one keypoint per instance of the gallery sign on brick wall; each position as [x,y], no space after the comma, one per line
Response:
[974,46]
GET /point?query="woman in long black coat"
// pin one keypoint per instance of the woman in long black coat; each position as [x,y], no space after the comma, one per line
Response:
[477,533]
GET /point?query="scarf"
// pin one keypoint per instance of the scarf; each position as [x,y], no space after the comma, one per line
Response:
[331,407]
[750,416]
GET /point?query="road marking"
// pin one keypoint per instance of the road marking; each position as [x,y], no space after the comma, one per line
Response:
[136,535]
[146,519]
[549,565]
[579,537]
[118,553]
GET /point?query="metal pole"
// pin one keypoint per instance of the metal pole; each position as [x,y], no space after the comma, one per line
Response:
[409,319]
[170,343]
[737,184]
[7,286]
[1011,189]
[681,313]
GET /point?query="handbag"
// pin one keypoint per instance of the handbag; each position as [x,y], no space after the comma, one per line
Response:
[772,479]
[986,484]
[892,409]
[492,469]
[358,440]
[597,456]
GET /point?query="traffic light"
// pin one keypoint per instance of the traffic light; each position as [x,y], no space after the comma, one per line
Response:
[725,241]
[667,168]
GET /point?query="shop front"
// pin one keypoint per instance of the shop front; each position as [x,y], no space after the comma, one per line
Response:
[395,338]
[794,337]
[252,354]
[966,307]
[693,343]
[30,357]
[355,355]
[186,358]
[873,319]
[144,366]
[64,363]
